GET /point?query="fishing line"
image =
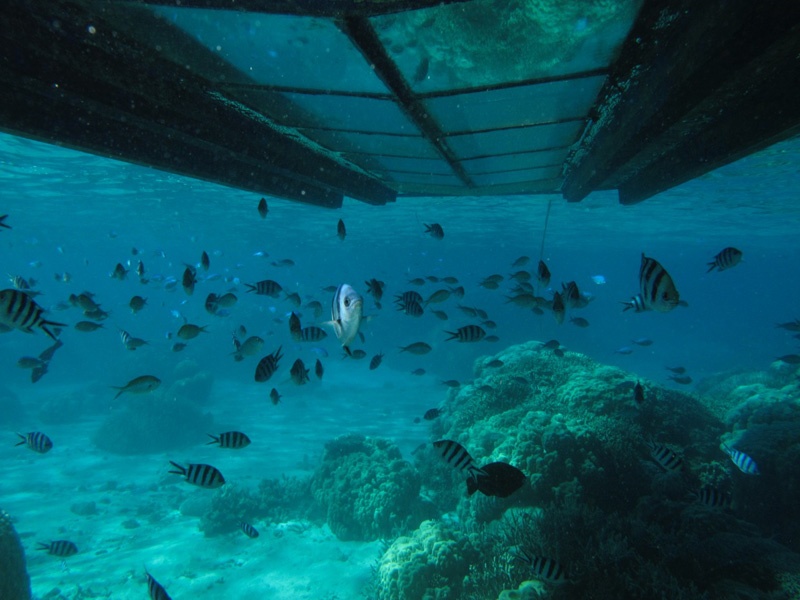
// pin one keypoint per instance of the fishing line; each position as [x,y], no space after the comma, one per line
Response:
[544,232]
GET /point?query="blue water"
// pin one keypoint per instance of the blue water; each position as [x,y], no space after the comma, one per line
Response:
[81,214]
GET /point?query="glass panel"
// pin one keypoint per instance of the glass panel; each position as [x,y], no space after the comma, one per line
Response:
[372,143]
[524,139]
[510,162]
[518,176]
[351,113]
[297,52]
[525,105]
[485,42]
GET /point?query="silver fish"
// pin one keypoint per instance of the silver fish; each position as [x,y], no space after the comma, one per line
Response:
[346,313]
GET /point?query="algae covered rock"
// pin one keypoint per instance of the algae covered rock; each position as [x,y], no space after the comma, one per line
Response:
[14,580]
[366,489]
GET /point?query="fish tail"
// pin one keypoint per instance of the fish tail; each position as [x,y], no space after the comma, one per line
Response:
[181,470]
[215,440]
[712,266]
[45,324]
[628,305]
[43,546]
[472,486]
[251,288]
[453,336]
[119,393]
[22,438]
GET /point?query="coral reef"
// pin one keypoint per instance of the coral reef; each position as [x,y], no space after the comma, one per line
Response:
[14,581]
[366,489]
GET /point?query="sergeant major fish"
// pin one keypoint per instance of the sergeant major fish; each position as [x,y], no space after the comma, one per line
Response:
[18,310]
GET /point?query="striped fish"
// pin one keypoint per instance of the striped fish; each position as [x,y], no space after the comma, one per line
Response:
[406,297]
[204,476]
[230,439]
[266,287]
[155,589]
[36,441]
[727,258]
[656,286]
[457,457]
[249,530]
[312,334]
[636,303]
[712,497]
[298,372]
[411,308]
[468,333]
[545,569]
[18,310]
[376,361]
[745,464]
[60,548]
[666,458]
[268,365]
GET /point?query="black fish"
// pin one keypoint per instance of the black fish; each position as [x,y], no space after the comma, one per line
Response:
[262,208]
[406,297]
[230,439]
[140,270]
[341,230]
[375,287]
[155,589]
[120,272]
[682,380]
[295,327]
[677,370]
[189,280]
[38,372]
[558,308]
[212,303]
[319,370]
[638,394]
[200,475]
[411,308]
[60,548]
[249,530]
[376,361]
[299,372]
[268,365]
[431,414]
[543,274]
[275,396]
[267,287]
[47,355]
[205,262]
[435,230]
[500,479]
[727,258]
[36,441]
[468,333]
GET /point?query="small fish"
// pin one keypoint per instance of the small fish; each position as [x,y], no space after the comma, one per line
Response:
[438,296]
[638,394]
[579,322]
[452,383]
[316,306]
[643,341]
[346,314]
[205,262]
[656,289]
[519,379]
[491,339]
[521,261]
[295,327]
[251,346]
[137,303]
[543,274]
[29,362]
[140,269]
[248,530]
[417,281]
[155,589]
[321,352]
[375,362]
[418,372]
[412,309]
[188,331]
[559,310]
[312,334]
[119,272]
[624,350]
[3,223]
[139,385]
[745,464]
[440,314]
[682,380]
[178,347]
[431,414]
[434,230]
[468,333]
[500,480]
[60,548]
[36,441]
[598,279]
[677,370]
[230,439]
[450,280]
[267,366]
[47,355]
[458,292]
[319,370]
[274,396]
[201,475]
[489,284]
[212,303]
[406,297]
[551,345]
[284,262]
[457,457]
[545,569]
[294,298]
[263,209]
[38,372]
[227,300]
[712,497]
[418,348]
[341,230]
[495,364]
[790,325]
[19,311]
[298,372]
[189,280]
[666,458]
[727,258]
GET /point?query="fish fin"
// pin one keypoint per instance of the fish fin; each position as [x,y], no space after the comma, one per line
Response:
[119,393]
[43,546]
[214,440]
[23,440]
[711,267]
[472,486]
[347,351]
[181,470]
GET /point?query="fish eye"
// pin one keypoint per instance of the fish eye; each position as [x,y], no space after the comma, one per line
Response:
[346,302]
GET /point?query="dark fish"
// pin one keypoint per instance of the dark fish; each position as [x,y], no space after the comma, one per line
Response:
[579,322]
[248,530]
[205,262]
[666,458]
[375,287]
[656,289]
[677,370]
[559,310]
[155,589]
[298,372]
[227,300]
[450,280]
[571,295]
[412,309]
[140,269]
[489,284]
[543,274]
[417,348]
[545,569]
[189,280]
[727,258]
[440,314]
[521,261]
[551,345]
[791,325]
[434,230]
[137,303]
[643,342]
[36,441]
[421,72]
[468,333]
[212,304]
[312,334]
[29,362]
[491,339]
[19,311]
[295,327]
[2,222]
[38,372]
[495,364]
[262,208]
[341,230]
[267,366]
[294,298]
[285,262]
[438,296]
[498,479]
[178,346]
[418,372]
[406,297]
[745,464]
[119,272]
[357,354]
[417,281]
[47,354]
[230,439]
[457,457]
[519,379]
[62,548]
[452,383]
[791,359]
[251,346]
[638,394]
[624,350]
[266,287]
[189,331]
[712,497]
[431,414]
[201,475]
[682,380]
[485,388]
[319,370]
[274,396]
[316,306]
[376,361]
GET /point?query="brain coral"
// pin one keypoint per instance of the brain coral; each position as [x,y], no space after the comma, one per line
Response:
[14,581]
[366,489]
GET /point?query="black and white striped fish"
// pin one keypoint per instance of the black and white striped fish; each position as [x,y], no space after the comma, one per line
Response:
[155,589]
[230,439]
[268,365]
[36,441]
[19,311]
[312,334]
[201,475]
[656,289]
[666,458]
[406,297]
[468,333]
[745,464]
[376,361]
[457,457]
[60,548]
[727,258]
[545,569]
[248,529]
[712,497]
[266,287]
[411,308]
